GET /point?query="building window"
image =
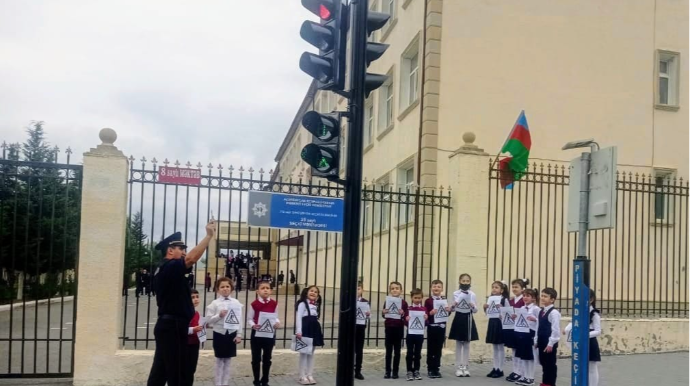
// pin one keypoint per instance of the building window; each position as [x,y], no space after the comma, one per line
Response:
[374,6]
[406,185]
[663,194]
[382,203]
[409,82]
[389,8]
[366,217]
[668,66]
[386,105]
[368,122]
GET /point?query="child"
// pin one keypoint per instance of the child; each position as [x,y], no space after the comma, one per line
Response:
[436,332]
[265,304]
[224,341]
[192,338]
[594,332]
[395,329]
[524,340]
[307,325]
[548,335]
[463,330]
[414,341]
[517,286]
[494,330]
[360,330]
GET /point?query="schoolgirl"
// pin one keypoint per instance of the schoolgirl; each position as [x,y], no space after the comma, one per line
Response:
[463,330]
[307,325]
[494,331]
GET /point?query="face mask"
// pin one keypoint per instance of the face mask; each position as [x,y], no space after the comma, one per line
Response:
[465,287]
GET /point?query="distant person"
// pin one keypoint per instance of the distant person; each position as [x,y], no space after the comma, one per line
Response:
[293,279]
[139,284]
[281,278]
[207,282]
[145,281]
[191,280]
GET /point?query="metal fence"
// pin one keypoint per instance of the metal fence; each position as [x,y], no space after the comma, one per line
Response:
[638,269]
[404,237]
[39,243]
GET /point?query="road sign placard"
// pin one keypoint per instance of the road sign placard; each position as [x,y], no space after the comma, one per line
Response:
[292,211]
[179,176]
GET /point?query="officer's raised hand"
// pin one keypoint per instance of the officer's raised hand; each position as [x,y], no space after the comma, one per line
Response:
[211,228]
[195,254]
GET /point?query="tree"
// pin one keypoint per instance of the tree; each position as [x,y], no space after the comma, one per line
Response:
[40,208]
[138,253]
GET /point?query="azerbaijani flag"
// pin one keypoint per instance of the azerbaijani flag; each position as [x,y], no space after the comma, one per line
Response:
[516,150]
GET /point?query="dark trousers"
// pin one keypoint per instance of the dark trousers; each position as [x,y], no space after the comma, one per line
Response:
[394,337]
[414,351]
[262,351]
[193,360]
[548,363]
[360,332]
[170,361]
[435,338]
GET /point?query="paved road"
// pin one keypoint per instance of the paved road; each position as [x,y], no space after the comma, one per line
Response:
[626,370]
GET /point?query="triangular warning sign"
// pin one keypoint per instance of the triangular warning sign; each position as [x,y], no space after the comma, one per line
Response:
[417,324]
[441,312]
[393,309]
[521,322]
[493,309]
[232,318]
[266,327]
[507,321]
[360,314]
[299,344]
[463,305]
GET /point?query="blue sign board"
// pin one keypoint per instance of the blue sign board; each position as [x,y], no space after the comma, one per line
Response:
[292,211]
[580,364]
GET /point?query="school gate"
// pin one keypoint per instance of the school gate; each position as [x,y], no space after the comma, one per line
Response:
[404,237]
[39,243]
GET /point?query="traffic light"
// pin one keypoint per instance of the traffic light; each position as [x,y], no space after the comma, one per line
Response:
[323,154]
[375,21]
[330,37]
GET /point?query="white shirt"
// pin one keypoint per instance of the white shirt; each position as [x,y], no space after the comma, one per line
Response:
[555,320]
[303,311]
[473,299]
[595,326]
[214,319]
[517,299]
[250,312]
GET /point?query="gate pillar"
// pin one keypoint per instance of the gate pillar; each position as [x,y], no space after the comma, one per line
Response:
[101,260]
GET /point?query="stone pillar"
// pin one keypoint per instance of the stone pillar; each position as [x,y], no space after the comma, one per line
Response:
[101,259]
[468,176]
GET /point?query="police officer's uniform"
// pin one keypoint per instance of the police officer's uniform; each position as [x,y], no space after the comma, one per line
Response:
[175,311]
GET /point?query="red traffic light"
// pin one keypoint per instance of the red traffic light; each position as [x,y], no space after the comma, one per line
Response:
[321,8]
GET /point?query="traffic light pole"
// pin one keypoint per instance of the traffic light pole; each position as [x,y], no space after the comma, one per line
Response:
[353,198]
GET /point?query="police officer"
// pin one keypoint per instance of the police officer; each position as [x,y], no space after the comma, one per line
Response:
[175,309]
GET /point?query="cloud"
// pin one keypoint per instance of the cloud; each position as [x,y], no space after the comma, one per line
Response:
[206,81]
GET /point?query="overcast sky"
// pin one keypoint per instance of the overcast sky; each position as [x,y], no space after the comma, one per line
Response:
[207,80]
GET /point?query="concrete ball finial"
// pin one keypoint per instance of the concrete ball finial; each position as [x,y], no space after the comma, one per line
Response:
[469,138]
[108,136]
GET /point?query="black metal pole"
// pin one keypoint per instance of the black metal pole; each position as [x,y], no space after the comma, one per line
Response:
[353,197]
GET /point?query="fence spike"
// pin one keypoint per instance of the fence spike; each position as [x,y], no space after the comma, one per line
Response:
[199,165]
[177,163]
[131,159]
[220,167]
[241,169]
[210,166]
[143,160]
[188,164]
[166,162]
[270,172]
[261,171]
[154,161]
[251,169]
[69,150]
[4,145]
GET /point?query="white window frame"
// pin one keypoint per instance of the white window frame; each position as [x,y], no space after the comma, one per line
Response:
[374,6]
[389,7]
[406,188]
[369,122]
[386,105]
[409,75]
[672,75]
[367,217]
[382,208]
[663,178]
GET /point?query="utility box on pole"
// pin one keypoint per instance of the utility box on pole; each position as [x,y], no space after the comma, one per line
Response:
[602,191]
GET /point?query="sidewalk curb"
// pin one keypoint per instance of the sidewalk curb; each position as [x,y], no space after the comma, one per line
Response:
[33,303]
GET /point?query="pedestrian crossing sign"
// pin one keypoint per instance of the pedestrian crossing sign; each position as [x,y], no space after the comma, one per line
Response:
[522,323]
[267,327]
[508,321]
[360,314]
[441,312]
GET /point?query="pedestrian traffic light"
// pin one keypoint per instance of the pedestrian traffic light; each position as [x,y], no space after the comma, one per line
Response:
[330,37]
[323,154]
[375,21]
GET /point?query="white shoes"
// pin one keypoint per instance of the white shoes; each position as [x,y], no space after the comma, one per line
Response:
[462,371]
[304,381]
[311,380]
